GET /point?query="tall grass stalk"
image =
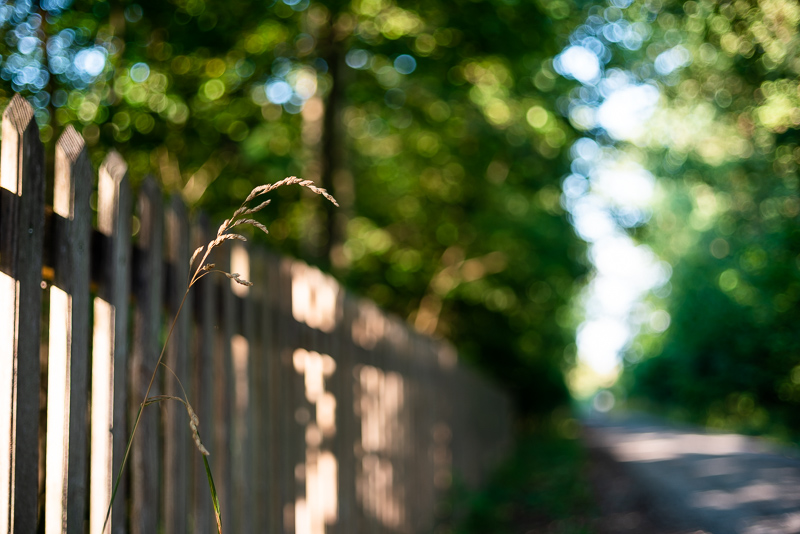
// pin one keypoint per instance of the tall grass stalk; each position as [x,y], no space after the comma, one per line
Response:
[224,233]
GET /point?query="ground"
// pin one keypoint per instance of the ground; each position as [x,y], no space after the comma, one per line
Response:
[634,474]
[623,506]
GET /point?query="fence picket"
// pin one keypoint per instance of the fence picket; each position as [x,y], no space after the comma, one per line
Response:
[260,394]
[177,444]
[67,389]
[283,355]
[21,234]
[205,301]
[223,390]
[276,386]
[242,347]
[345,418]
[147,274]
[110,348]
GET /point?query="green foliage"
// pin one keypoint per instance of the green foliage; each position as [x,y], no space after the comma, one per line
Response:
[726,145]
[733,311]
[540,488]
[433,123]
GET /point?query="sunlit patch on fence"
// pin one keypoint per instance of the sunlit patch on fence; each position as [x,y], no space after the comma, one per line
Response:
[240,263]
[369,325]
[57,409]
[102,415]
[7,320]
[240,351]
[321,468]
[380,401]
[314,297]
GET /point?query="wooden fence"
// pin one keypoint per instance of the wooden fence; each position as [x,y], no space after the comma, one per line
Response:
[322,413]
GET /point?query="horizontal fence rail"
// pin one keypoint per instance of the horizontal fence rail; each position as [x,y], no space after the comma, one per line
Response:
[321,412]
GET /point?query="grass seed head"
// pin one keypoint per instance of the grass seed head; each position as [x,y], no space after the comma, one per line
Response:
[194,256]
[236,277]
[194,422]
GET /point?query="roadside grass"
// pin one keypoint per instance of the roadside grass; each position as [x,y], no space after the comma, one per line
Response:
[541,488]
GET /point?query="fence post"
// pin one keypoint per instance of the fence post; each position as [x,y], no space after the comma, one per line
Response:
[345,416]
[21,236]
[221,453]
[177,445]
[67,368]
[146,346]
[241,393]
[205,302]
[259,393]
[293,440]
[275,387]
[263,438]
[110,348]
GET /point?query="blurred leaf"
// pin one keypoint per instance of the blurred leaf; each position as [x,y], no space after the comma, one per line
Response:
[214,498]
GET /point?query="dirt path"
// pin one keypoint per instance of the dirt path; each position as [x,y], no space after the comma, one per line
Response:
[624,508]
[653,478]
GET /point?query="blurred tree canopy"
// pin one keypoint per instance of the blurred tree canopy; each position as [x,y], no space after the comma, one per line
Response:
[433,123]
[724,143]
[737,269]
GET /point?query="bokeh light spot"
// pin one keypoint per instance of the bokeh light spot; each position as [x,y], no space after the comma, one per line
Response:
[579,63]
[140,72]
[91,61]
[405,64]
[279,92]
[357,58]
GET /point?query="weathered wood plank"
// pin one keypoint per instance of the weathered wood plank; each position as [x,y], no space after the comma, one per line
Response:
[329,464]
[21,237]
[346,419]
[293,454]
[178,446]
[286,415]
[109,432]
[205,304]
[258,325]
[223,390]
[242,467]
[277,409]
[423,472]
[145,484]
[426,429]
[68,364]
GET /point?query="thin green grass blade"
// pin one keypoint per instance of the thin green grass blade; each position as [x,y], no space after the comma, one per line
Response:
[214,498]
[122,467]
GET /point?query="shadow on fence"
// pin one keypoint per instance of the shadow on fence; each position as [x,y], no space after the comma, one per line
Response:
[321,412]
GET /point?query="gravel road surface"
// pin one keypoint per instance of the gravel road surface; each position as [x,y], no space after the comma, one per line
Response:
[686,480]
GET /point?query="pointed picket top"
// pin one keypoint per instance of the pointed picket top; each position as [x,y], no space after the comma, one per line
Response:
[178,208]
[114,166]
[113,192]
[71,144]
[176,202]
[73,175]
[21,147]
[151,208]
[19,114]
[150,188]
